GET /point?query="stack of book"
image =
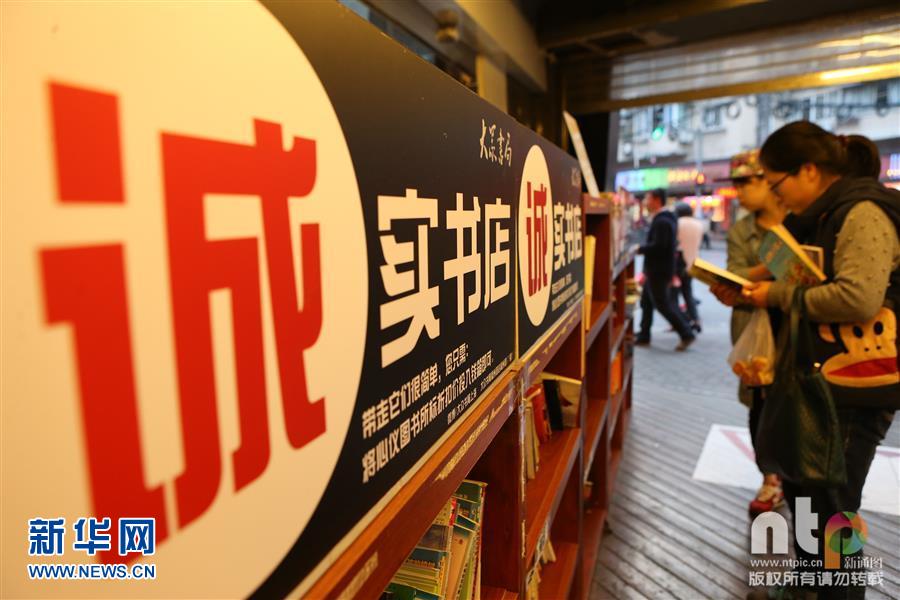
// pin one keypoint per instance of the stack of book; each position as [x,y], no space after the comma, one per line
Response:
[551,404]
[446,563]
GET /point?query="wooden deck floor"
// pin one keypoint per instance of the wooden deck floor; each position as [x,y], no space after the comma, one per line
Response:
[670,536]
[673,537]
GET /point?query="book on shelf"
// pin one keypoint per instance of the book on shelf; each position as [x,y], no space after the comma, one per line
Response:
[788,260]
[710,274]
[543,555]
[541,418]
[446,563]
[563,396]
[590,249]
[615,375]
[470,502]
[464,535]
[532,456]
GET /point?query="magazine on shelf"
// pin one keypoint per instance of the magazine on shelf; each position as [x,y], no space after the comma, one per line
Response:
[446,563]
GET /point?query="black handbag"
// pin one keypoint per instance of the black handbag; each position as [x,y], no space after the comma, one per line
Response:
[799,436]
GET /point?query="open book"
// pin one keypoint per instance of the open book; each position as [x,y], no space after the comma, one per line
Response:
[710,274]
[788,261]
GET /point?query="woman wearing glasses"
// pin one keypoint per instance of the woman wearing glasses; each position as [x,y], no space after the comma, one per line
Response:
[831,183]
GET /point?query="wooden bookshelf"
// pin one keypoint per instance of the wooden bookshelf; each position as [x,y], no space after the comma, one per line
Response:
[594,523]
[558,341]
[492,593]
[600,311]
[618,337]
[544,493]
[400,525]
[557,577]
[606,414]
[624,261]
[571,491]
[596,206]
[595,419]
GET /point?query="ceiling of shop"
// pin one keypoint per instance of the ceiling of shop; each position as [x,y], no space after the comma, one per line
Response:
[594,42]
[577,29]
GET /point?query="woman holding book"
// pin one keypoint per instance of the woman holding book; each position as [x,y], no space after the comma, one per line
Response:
[831,183]
[744,239]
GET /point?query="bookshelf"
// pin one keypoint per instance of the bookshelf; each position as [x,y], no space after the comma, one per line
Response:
[607,411]
[574,483]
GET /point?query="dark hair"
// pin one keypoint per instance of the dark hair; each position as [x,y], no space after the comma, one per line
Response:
[801,142]
[660,194]
[683,209]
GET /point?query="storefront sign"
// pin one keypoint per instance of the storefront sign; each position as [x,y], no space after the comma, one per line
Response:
[641,180]
[251,276]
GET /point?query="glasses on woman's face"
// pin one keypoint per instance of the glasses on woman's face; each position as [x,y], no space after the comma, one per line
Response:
[773,187]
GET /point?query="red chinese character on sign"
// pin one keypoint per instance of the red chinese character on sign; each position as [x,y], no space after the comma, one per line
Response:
[85,286]
[536,230]
[193,168]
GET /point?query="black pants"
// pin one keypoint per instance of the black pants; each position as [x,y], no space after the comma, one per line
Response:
[656,296]
[686,290]
[862,431]
[755,411]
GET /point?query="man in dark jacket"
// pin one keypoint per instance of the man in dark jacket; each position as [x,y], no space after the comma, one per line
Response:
[659,268]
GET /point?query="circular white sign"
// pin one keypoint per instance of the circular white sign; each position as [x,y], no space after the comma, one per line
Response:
[210,72]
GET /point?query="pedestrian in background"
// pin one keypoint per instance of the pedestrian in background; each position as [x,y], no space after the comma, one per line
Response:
[690,235]
[659,269]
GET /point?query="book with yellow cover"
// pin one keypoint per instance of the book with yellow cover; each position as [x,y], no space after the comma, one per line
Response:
[710,274]
[590,249]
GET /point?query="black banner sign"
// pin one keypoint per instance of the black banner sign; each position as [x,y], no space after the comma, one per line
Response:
[259,260]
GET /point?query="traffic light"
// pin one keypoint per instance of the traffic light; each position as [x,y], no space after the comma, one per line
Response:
[659,126]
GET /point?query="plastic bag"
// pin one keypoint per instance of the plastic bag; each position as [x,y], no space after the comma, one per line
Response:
[753,356]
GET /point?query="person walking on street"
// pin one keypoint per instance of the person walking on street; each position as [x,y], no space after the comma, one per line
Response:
[659,269]
[690,235]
